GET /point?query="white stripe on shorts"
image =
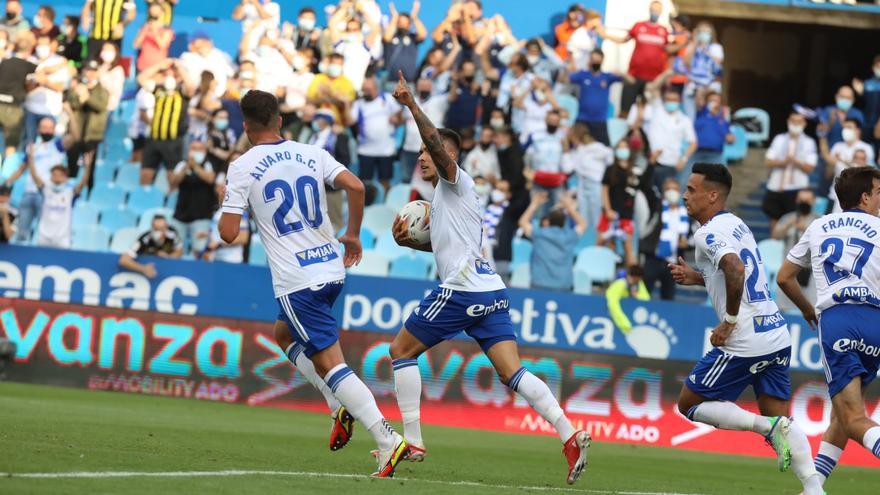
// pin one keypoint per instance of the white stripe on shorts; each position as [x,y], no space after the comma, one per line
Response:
[444,298]
[712,369]
[288,309]
[720,371]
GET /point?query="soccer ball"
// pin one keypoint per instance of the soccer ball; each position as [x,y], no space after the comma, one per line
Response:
[417,216]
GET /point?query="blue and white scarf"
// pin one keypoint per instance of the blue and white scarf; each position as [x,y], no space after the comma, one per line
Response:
[675,225]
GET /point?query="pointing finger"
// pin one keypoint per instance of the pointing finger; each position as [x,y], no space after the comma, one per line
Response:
[400,77]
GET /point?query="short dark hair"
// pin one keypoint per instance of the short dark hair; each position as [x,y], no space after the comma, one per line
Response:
[337,55]
[159,216]
[635,271]
[448,135]
[260,108]
[852,183]
[306,10]
[715,173]
[598,51]
[556,218]
[50,12]
[58,167]
[855,122]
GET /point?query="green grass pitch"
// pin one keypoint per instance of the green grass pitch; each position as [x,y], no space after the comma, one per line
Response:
[56,430]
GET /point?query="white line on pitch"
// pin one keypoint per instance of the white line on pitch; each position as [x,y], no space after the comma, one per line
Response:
[302,474]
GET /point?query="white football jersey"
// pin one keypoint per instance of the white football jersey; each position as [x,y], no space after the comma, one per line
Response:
[840,248]
[760,327]
[283,184]
[456,236]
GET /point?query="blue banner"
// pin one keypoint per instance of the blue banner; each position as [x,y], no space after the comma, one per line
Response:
[550,320]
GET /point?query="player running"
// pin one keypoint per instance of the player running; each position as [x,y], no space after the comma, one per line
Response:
[283,183]
[751,343]
[471,297]
[840,248]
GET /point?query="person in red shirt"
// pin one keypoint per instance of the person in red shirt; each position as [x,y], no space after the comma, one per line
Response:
[649,58]
[573,20]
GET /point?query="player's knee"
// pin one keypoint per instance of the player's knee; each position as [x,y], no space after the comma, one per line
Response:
[684,407]
[397,350]
[282,337]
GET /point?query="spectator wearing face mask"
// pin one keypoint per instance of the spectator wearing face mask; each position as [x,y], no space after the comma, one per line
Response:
[701,63]
[72,43]
[353,44]
[712,128]
[139,125]
[791,158]
[306,33]
[544,157]
[333,139]
[220,141]
[841,156]
[789,229]
[588,159]
[869,90]
[107,20]
[297,88]
[584,40]
[162,241]
[273,70]
[8,215]
[44,23]
[45,153]
[483,159]
[153,40]
[14,73]
[87,101]
[630,286]
[434,106]
[542,59]
[534,107]
[56,215]
[111,74]
[204,56]
[331,89]
[194,178]
[376,115]
[464,98]
[594,86]
[45,97]
[620,185]
[257,14]
[553,243]
[499,200]
[457,29]
[202,106]
[832,117]
[14,22]
[401,43]
[664,239]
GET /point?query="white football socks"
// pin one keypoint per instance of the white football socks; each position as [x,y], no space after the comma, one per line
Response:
[296,356]
[802,462]
[826,459]
[408,389]
[357,398]
[871,441]
[539,396]
[729,416]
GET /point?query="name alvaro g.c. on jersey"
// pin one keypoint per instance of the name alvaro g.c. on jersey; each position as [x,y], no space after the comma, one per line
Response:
[284,184]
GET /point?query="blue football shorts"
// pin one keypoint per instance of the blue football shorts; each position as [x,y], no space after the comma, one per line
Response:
[308,314]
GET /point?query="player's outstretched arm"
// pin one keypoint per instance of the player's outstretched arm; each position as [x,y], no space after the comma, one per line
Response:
[354,189]
[446,166]
[683,274]
[786,279]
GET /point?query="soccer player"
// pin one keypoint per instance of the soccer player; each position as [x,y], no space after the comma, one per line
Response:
[840,248]
[471,297]
[751,343]
[283,183]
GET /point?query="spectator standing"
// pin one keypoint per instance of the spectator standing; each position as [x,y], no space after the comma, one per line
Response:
[353,44]
[72,44]
[162,241]
[620,185]
[649,57]
[194,178]
[297,88]
[14,73]
[499,200]
[574,18]
[553,243]
[664,239]
[139,125]
[258,15]
[544,157]
[789,229]
[45,153]
[44,23]
[14,22]
[542,59]
[712,128]
[584,40]
[56,215]
[832,117]
[587,158]
[464,98]
[401,44]
[702,64]
[107,20]
[512,164]
[333,139]
[434,106]
[632,285]
[46,95]
[376,115]
[534,106]
[111,75]
[153,39]
[228,252]
[482,161]
[331,89]
[594,86]
[7,215]
[87,101]
[870,91]
[843,154]
[220,141]
[791,158]
[306,33]
[167,7]
[202,106]
[457,29]
[204,56]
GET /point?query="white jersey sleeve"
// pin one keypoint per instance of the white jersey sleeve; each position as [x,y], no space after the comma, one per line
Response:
[460,185]
[331,168]
[238,183]
[714,244]
[800,253]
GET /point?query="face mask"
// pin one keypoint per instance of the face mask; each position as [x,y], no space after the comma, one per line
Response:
[38,22]
[713,105]
[299,63]
[170,84]
[369,97]
[250,11]
[316,127]
[108,57]
[264,51]
[150,86]
[672,196]
[485,146]
[47,136]
[654,17]
[352,38]
[247,75]
[533,59]
[670,106]
[596,66]
[849,135]
[10,16]
[483,189]
[334,70]
[540,97]
[795,130]
[551,129]
[424,95]
[704,37]
[197,156]
[42,51]
[844,104]
[503,148]
[804,208]
[498,196]
[496,123]
[622,153]
[157,236]
[307,24]
[877,72]
[221,124]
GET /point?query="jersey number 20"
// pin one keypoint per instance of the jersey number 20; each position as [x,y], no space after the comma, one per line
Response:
[307,197]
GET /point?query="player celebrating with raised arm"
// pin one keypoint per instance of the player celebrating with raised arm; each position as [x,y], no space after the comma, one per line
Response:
[751,344]
[840,248]
[471,297]
[283,183]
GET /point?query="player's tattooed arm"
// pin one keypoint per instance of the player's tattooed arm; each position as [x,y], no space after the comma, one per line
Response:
[734,278]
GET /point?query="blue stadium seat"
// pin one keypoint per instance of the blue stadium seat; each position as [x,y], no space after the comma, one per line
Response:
[17,192]
[84,213]
[772,254]
[386,245]
[398,196]
[736,151]
[378,218]
[145,197]
[820,206]
[762,117]
[588,239]
[373,264]
[617,130]
[116,217]
[161,183]
[129,177]
[597,263]
[522,252]
[410,266]
[521,277]
[91,238]
[106,195]
[123,239]
[570,103]
[368,240]
[146,218]
[105,173]
[171,199]
[582,282]
[257,252]
[9,165]
[380,192]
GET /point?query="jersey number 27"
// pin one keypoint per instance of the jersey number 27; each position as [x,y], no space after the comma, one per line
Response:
[836,249]
[307,197]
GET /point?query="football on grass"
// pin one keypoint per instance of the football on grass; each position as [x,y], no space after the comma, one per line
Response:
[417,216]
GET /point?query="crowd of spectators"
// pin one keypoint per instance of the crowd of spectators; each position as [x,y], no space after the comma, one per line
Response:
[533,114]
